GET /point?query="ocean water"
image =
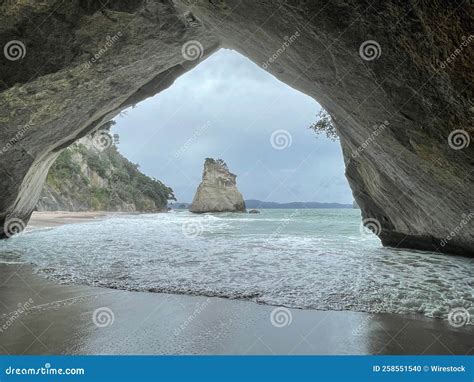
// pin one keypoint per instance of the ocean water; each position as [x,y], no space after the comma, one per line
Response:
[309,259]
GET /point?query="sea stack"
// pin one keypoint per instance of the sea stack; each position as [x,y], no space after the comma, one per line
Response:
[218,190]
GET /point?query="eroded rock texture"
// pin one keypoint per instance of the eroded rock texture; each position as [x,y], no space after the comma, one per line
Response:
[394,110]
[218,190]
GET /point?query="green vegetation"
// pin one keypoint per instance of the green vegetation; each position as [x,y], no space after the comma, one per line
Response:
[103,180]
[325,125]
[219,162]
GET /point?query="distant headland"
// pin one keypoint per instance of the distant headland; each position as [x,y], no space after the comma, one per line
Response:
[259,204]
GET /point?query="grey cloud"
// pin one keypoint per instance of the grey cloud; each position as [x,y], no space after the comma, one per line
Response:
[228,107]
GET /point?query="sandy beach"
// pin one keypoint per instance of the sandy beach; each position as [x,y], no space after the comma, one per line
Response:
[42,317]
[50,219]
[38,316]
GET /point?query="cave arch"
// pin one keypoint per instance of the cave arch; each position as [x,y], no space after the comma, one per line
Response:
[77,65]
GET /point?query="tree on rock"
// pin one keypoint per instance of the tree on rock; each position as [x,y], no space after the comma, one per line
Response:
[324,125]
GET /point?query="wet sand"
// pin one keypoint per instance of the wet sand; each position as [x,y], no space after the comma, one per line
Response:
[49,219]
[59,319]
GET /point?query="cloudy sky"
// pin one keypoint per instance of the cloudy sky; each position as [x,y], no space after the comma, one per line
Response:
[229,108]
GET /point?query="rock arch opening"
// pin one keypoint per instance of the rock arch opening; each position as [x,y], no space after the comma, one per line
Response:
[413,179]
[229,108]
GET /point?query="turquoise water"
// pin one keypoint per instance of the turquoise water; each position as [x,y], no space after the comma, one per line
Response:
[315,258]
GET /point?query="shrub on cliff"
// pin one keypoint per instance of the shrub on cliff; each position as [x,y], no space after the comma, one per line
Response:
[324,125]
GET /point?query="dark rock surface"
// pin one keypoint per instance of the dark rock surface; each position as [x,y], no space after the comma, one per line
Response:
[394,108]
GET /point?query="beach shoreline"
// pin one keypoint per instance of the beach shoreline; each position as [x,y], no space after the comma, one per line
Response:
[51,219]
[38,316]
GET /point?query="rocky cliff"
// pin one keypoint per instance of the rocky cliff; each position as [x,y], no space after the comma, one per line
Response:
[218,190]
[90,177]
[395,76]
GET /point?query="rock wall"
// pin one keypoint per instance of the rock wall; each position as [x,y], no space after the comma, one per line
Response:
[218,190]
[395,77]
